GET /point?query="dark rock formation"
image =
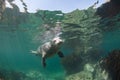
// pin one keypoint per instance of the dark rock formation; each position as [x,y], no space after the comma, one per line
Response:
[72,64]
[109,9]
[11,75]
[112,64]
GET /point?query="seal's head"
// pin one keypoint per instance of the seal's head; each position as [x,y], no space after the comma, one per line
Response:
[57,41]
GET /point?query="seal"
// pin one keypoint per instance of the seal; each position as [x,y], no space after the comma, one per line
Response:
[49,49]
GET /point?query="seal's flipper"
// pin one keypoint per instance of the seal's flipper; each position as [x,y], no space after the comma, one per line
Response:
[43,62]
[34,52]
[60,54]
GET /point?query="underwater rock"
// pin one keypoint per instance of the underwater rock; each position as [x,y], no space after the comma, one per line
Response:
[90,72]
[35,75]
[99,73]
[112,64]
[89,67]
[109,9]
[83,75]
[2,74]
[11,75]
[72,63]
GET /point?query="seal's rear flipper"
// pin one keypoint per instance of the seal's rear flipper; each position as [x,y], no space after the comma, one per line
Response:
[43,62]
[60,54]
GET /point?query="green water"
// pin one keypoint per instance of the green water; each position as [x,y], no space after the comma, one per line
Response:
[15,55]
[85,43]
[111,40]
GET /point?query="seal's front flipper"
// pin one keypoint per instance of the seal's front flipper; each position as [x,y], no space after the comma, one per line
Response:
[43,62]
[34,52]
[60,54]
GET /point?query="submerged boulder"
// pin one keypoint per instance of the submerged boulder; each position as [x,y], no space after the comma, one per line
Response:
[83,75]
[72,64]
[111,64]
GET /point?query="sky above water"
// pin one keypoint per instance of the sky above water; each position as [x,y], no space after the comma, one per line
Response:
[64,5]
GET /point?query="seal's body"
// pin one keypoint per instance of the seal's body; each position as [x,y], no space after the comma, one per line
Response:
[49,49]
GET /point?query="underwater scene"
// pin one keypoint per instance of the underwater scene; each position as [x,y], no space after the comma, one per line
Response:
[59,39]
